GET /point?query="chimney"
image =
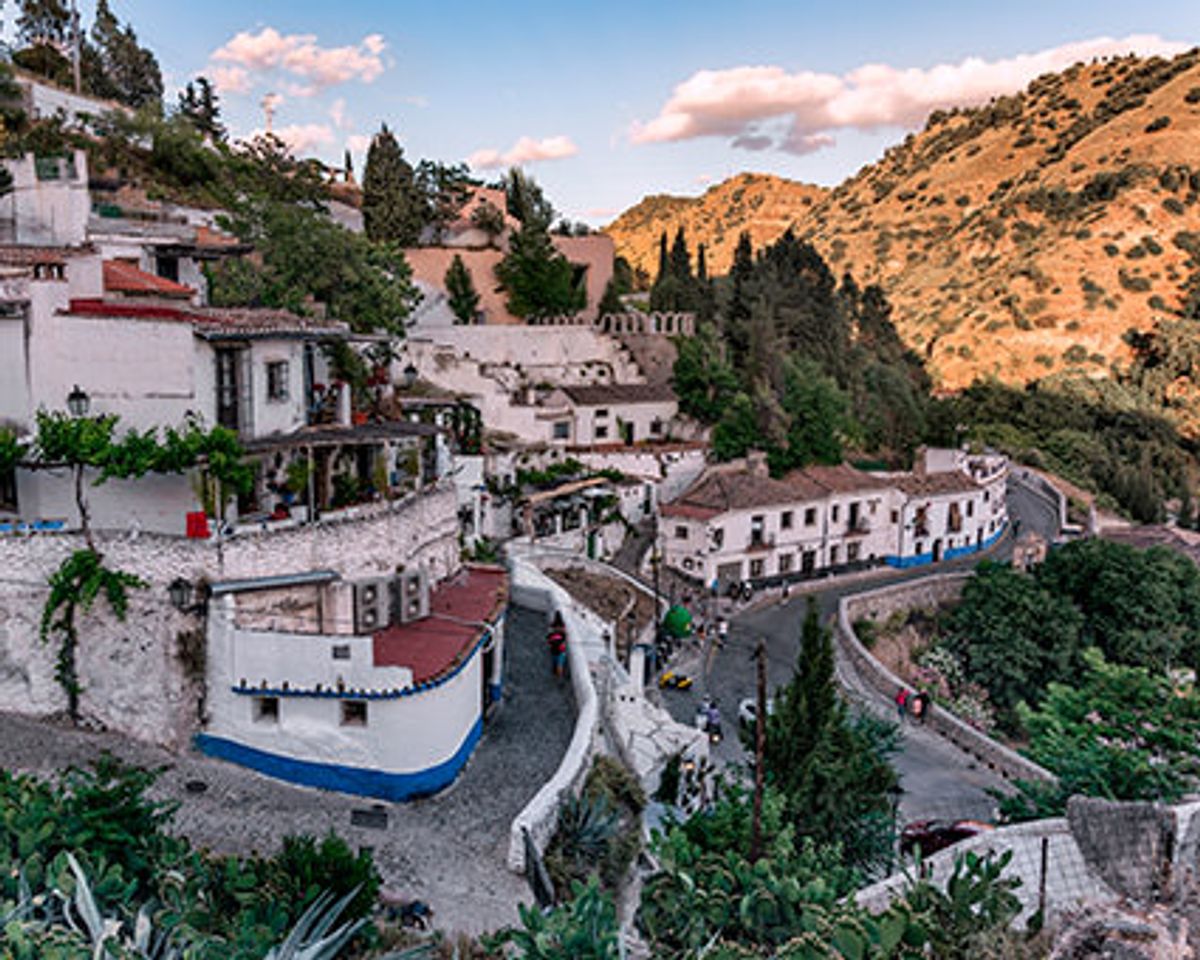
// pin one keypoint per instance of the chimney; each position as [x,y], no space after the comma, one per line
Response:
[756,463]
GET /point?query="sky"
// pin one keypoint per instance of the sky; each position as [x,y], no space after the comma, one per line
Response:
[605,103]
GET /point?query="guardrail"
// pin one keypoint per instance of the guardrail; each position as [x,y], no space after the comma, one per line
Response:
[994,755]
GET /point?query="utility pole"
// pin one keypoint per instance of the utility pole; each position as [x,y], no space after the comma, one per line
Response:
[760,748]
[76,41]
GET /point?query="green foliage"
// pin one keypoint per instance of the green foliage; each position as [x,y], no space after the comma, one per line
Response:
[539,281]
[119,68]
[1123,733]
[200,106]
[831,770]
[464,298]
[610,302]
[704,382]
[490,219]
[74,586]
[391,205]
[584,928]
[442,191]
[525,200]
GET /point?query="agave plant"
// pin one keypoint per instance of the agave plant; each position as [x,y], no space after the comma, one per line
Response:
[586,826]
[310,938]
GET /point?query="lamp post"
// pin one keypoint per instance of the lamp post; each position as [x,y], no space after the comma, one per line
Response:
[181,591]
[78,404]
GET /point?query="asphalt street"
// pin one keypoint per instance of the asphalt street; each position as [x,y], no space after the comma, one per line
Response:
[938,780]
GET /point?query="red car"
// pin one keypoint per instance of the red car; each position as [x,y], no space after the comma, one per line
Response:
[934,835]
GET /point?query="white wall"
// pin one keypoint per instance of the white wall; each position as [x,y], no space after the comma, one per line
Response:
[133,681]
[51,212]
[402,735]
[603,424]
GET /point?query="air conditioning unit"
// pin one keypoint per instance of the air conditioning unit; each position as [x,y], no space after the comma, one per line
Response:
[370,605]
[410,595]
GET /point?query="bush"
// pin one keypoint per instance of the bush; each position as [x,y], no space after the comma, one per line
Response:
[1158,123]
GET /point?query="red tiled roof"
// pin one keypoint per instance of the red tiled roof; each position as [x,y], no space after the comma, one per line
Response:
[457,609]
[27,256]
[214,321]
[719,490]
[121,276]
[932,484]
[843,478]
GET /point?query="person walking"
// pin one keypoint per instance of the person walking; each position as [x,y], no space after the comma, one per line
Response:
[556,640]
[902,703]
[722,631]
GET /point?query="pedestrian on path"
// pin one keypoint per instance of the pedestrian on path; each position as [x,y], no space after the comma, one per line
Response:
[556,640]
[902,703]
[722,631]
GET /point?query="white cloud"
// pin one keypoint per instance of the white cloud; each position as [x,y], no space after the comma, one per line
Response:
[230,79]
[358,143]
[525,150]
[766,107]
[301,138]
[310,67]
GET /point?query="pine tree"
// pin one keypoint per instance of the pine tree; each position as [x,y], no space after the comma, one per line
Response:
[464,299]
[198,102]
[662,258]
[525,199]
[539,280]
[125,70]
[390,207]
[738,313]
[44,30]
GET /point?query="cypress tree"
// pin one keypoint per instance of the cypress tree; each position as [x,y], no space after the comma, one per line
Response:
[464,299]
[391,211]
[740,309]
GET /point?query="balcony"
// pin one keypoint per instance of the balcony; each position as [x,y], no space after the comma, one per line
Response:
[858,527]
[760,541]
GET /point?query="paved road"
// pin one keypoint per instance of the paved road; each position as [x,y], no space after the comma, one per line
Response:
[938,779]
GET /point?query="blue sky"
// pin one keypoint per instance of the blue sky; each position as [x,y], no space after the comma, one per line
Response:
[622,98]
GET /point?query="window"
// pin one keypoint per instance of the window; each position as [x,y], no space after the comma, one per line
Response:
[895,516]
[354,713]
[833,556]
[785,563]
[656,428]
[601,413]
[266,709]
[970,508]
[341,651]
[852,553]
[757,523]
[277,380]
[810,516]
[874,504]
[987,495]
[785,520]
[756,568]
[681,533]
[601,431]
[167,267]
[835,512]
[562,430]
[718,537]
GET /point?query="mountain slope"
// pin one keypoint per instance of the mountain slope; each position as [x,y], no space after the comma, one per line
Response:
[760,203]
[1018,239]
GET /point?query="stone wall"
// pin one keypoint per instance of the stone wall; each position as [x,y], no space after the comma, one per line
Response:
[134,673]
[925,592]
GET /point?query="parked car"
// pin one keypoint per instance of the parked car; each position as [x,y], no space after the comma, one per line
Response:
[934,835]
[748,710]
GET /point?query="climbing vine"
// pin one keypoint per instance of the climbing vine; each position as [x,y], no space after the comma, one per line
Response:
[75,585]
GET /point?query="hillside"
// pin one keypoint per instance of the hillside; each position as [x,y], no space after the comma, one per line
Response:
[1015,240]
[760,203]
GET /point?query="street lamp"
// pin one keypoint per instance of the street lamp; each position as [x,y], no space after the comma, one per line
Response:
[181,592]
[78,402]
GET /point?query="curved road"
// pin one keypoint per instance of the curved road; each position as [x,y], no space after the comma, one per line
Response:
[938,779]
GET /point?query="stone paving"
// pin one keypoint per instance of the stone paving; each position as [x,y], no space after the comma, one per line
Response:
[448,850]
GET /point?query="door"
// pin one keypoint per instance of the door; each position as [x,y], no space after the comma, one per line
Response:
[937,550]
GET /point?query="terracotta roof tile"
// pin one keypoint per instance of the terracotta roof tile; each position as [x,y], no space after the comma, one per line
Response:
[121,276]
[933,484]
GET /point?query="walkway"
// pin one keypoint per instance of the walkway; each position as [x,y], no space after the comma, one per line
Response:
[448,850]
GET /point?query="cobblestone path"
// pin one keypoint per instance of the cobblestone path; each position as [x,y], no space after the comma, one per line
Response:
[448,850]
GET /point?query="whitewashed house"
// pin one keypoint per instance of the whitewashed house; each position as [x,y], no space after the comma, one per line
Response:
[737,524]
[377,688]
[611,413]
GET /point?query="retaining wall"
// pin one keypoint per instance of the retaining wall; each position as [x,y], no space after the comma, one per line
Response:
[925,592]
[133,672]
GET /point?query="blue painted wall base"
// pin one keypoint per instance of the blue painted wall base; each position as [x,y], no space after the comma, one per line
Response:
[356,780]
[921,559]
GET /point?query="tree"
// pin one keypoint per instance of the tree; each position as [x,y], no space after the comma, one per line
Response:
[391,204]
[832,770]
[1012,637]
[737,431]
[704,383]
[126,71]
[490,219]
[738,311]
[611,301]
[539,280]
[464,299]
[525,199]
[444,190]
[198,102]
